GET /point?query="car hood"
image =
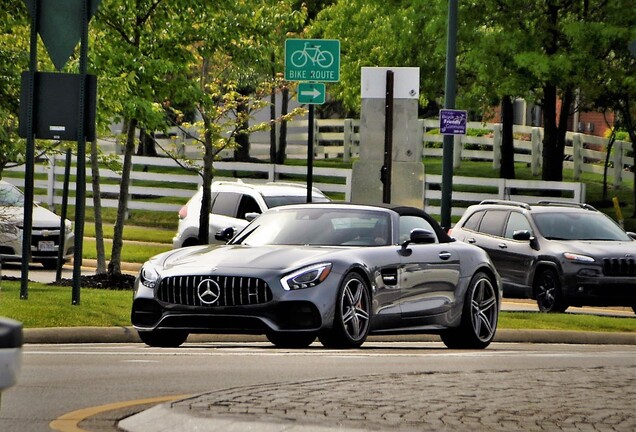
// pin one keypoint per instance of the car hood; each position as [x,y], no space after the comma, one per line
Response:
[601,249]
[42,217]
[194,259]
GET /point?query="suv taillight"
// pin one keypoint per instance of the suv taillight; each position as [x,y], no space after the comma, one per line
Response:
[183,212]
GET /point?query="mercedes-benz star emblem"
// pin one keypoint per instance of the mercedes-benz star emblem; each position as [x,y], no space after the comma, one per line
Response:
[208,291]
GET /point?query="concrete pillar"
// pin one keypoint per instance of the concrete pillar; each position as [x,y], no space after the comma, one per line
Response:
[407,180]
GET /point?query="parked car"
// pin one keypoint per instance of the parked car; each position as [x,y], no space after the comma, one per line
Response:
[560,254]
[234,204]
[45,233]
[10,352]
[336,272]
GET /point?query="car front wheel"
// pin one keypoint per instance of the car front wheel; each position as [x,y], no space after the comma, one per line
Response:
[353,311]
[163,338]
[547,290]
[479,316]
[291,340]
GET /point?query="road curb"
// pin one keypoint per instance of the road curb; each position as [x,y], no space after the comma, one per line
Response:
[61,335]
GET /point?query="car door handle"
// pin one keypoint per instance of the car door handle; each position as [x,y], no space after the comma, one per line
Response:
[444,255]
[471,240]
[502,246]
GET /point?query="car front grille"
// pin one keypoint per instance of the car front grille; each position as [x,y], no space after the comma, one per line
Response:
[619,267]
[213,291]
[45,235]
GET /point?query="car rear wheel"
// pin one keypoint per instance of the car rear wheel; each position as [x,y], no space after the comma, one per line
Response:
[479,316]
[291,340]
[547,291]
[353,311]
[163,338]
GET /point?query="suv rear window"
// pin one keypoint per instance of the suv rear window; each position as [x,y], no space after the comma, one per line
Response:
[493,222]
[226,203]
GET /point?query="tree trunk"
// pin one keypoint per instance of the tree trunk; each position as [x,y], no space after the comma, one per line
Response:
[242,152]
[206,197]
[552,158]
[147,145]
[507,168]
[272,130]
[97,209]
[114,266]
[281,155]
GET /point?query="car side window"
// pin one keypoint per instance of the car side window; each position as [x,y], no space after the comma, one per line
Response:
[472,223]
[247,205]
[493,222]
[516,222]
[226,204]
[409,223]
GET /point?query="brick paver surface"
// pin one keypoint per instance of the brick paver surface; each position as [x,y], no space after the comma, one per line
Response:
[573,399]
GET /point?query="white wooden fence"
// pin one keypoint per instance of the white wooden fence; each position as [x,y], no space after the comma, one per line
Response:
[341,138]
[154,190]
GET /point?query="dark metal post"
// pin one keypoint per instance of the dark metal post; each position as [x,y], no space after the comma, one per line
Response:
[27,225]
[449,103]
[310,153]
[387,169]
[80,195]
[62,245]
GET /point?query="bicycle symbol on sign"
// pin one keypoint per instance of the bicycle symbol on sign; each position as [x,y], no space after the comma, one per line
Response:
[313,53]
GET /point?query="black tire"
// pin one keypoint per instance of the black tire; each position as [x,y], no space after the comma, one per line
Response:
[163,338]
[191,241]
[291,339]
[548,293]
[352,317]
[49,264]
[480,315]
[634,309]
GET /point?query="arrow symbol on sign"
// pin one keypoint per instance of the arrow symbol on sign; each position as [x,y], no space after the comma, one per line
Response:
[314,93]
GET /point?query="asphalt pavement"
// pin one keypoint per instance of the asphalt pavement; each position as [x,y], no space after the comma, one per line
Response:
[388,402]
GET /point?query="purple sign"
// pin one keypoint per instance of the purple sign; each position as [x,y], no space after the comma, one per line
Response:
[452,122]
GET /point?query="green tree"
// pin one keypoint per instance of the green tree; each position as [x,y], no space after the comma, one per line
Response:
[379,33]
[141,52]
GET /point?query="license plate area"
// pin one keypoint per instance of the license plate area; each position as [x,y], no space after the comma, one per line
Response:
[46,246]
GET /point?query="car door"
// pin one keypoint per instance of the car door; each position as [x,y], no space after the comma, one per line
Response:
[488,235]
[518,256]
[428,274]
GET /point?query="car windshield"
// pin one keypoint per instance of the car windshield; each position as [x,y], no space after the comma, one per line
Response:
[579,226]
[281,200]
[318,227]
[11,196]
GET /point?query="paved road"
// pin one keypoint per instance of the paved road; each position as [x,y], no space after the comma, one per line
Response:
[382,386]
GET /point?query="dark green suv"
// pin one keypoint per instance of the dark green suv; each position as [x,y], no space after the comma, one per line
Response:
[560,254]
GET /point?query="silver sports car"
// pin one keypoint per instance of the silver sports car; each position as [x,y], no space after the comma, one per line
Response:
[336,272]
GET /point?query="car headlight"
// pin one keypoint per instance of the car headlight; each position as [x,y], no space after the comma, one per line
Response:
[148,276]
[578,258]
[9,228]
[68,226]
[306,277]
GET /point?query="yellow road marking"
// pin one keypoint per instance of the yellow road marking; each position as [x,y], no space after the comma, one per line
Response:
[69,422]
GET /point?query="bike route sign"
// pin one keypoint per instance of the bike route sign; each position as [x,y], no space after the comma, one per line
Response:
[311,93]
[312,60]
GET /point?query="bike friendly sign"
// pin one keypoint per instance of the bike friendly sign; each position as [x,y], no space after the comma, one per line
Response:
[312,60]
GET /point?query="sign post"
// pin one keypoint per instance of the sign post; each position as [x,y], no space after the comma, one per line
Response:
[308,61]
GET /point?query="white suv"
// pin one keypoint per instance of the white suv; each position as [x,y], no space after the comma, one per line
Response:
[233,203]
[45,233]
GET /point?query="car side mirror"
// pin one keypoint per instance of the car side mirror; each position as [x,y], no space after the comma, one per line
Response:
[418,236]
[251,216]
[632,235]
[11,340]
[225,234]
[522,235]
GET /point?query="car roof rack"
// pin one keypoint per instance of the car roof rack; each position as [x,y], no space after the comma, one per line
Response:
[567,204]
[507,202]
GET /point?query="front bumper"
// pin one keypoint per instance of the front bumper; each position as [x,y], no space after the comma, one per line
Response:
[601,291]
